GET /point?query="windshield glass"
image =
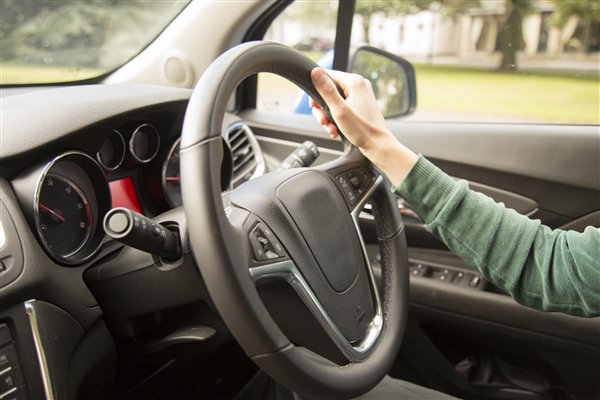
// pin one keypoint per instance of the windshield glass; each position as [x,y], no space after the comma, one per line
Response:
[61,41]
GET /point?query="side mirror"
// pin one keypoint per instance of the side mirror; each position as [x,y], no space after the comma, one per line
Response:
[392,78]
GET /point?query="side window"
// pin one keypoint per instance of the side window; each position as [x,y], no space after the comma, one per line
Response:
[513,61]
[309,27]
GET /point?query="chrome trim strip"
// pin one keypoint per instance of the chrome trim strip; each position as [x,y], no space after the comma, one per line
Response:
[374,289]
[2,235]
[7,393]
[39,349]
[288,271]
[359,206]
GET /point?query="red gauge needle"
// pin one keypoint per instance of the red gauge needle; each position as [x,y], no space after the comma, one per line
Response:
[51,211]
[173,179]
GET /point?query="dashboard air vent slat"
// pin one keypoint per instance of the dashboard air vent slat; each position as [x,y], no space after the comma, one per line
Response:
[246,156]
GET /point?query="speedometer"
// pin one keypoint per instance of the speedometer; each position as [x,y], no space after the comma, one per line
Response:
[64,218]
[68,197]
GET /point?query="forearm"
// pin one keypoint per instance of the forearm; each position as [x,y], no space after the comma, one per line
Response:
[393,158]
[549,270]
[533,263]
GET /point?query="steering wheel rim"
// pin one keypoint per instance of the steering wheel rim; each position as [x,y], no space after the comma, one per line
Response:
[216,238]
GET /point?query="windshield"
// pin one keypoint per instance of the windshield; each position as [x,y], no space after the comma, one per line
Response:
[62,41]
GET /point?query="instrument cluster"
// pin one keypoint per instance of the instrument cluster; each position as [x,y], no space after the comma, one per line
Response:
[65,199]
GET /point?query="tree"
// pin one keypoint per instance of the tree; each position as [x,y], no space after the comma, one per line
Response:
[83,33]
[563,9]
[366,8]
[511,34]
[588,11]
[511,37]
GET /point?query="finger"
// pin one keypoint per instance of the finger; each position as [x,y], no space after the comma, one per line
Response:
[322,119]
[320,116]
[326,88]
[345,80]
[312,103]
[332,130]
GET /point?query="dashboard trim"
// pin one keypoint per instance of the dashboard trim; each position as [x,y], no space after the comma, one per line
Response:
[39,348]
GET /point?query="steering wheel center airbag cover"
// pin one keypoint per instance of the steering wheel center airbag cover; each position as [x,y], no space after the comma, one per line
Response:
[323,219]
[307,213]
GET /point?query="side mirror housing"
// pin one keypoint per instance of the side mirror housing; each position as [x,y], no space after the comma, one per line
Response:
[392,78]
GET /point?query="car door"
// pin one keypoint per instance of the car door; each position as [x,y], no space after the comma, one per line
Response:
[465,336]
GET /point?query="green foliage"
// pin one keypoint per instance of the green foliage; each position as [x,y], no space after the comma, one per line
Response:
[313,10]
[90,33]
[368,7]
[563,9]
[449,7]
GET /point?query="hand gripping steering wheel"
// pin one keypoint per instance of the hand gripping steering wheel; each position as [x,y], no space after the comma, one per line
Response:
[298,227]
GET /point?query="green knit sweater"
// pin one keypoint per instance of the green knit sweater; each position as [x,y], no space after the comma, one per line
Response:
[551,270]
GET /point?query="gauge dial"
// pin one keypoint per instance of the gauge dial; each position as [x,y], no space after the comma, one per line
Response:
[64,218]
[171,180]
[144,143]
[112,153]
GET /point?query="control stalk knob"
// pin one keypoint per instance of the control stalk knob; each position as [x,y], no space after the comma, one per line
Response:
[142,233]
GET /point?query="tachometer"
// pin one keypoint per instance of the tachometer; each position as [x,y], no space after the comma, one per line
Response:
[170,176]
[64,217]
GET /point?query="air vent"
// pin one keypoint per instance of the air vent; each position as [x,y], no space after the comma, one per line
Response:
[247,157]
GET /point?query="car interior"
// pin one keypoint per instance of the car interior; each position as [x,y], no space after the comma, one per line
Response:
[162,237]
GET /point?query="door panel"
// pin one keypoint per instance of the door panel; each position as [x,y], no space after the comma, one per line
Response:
[548,172]
[557,167]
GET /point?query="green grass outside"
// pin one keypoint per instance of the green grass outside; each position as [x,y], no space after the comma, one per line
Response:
[17,74]
[535,97]
[21,73]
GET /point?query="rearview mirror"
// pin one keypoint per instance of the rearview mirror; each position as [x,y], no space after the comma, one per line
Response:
[392,78]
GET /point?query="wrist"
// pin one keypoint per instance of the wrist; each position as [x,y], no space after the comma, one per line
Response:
[393,158]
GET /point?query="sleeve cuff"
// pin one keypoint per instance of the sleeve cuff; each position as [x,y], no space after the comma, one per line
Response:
[426,188]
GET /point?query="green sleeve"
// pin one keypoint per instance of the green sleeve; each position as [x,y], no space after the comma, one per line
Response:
[551,270]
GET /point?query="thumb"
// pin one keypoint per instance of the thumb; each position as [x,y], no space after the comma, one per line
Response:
[326,88]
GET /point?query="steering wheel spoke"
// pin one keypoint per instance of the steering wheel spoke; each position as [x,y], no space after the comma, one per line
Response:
[288,271]
[270,261]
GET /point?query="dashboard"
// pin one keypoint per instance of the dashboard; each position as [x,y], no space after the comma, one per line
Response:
[69,293]
[71,299]
[135,165]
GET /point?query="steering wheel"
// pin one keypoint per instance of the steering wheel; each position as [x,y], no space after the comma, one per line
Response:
[298,227]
